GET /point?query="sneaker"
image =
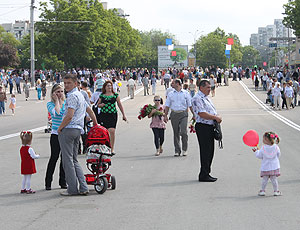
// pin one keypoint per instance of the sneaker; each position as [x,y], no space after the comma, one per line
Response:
[30,191]
[67,194]
[277,193]
[23,191]
[184,153]
[157,152]
[176,154]
[161,149]
[85,193]
[262,193]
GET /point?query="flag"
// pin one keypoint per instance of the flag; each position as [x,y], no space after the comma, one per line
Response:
[173,54]
[228,47]
[227,52]
[171,47]
[230,41]
[168,41]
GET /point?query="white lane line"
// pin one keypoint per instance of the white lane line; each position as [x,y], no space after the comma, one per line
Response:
[135,93]
[44,127]
[17,134]
[267,109]
[39,102]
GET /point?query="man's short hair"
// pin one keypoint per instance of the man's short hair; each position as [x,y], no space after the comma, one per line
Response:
[71,76]
[177,81]
[203,83]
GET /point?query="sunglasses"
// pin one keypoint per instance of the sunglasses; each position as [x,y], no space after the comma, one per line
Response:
[157,100]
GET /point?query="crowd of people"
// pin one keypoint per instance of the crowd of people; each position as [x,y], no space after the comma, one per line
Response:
[94,95]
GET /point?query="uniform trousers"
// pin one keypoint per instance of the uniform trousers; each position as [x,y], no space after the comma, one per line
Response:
[69,142]
[179,125]
[205,135]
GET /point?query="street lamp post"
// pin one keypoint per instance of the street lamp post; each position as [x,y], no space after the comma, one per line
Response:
[195,38]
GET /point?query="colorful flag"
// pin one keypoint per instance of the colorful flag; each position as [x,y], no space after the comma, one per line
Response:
[171,47]
[230,41]
[173,54]
[168,41]
[228,47]
[227,52]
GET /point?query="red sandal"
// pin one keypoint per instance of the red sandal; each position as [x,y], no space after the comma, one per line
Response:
[30,191]
[23,191]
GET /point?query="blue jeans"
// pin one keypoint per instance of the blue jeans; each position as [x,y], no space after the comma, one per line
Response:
[39,90]
[2,107]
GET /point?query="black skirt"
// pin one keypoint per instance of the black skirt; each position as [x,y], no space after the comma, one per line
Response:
[108,120]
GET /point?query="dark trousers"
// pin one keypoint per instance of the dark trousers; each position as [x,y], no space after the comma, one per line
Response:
[11,86]
[18,88]
[205,135]
[55,152]
[159,137]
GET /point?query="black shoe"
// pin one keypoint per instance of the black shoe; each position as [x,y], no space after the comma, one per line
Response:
[207,179]
[48,187]
[63,186]
[214,178]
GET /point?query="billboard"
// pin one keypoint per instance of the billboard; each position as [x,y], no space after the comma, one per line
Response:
[178,57]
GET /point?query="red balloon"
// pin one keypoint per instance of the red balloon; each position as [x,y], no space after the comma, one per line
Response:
[251,138]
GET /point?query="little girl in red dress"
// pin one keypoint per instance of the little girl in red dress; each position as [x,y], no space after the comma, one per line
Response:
[27,161]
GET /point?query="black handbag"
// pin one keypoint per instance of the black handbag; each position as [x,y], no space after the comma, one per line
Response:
[218,134]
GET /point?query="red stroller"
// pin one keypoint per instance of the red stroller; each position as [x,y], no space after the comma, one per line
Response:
[98,159]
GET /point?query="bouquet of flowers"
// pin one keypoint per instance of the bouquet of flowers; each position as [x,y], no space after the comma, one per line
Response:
[146,110]
[192,126]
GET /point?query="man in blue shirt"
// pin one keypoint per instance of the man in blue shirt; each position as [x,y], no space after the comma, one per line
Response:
[69,133]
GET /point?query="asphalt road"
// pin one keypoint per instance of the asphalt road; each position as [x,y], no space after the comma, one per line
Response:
[160,192]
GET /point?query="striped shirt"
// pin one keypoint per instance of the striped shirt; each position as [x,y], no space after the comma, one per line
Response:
[56,118]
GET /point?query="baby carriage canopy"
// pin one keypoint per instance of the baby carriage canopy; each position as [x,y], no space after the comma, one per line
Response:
[98,135]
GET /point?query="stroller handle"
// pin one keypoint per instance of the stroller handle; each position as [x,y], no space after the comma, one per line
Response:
[98,152]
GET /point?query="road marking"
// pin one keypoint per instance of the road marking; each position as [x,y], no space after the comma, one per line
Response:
[267,109]
[135,93]
[44,127]
[39,101]
[17,134]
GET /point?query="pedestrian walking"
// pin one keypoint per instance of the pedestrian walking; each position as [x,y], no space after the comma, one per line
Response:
[13,102]
[212,82]
[179,101]
[44,89]
[131,88]
[192,87]
[69,133]
[3,99]
[18,82]
[158,125]
[226,76]
[289,93]
[145,82]
[108,117]
[27,162]
[153,84]
[206,114]
[11,84]
[39,88]
[270,166]
[26,89]
[56,108]
[277,96]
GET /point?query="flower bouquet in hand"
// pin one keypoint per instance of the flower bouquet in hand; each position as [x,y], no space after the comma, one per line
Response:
[146,110]
[192,126]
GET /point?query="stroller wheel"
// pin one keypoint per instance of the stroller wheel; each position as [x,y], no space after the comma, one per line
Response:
[113,182]
[101,185]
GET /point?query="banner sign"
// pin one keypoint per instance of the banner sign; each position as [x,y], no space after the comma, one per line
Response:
[178,57]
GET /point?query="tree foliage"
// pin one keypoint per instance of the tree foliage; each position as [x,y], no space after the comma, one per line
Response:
[8,51]
[105,40]
[250,57]
[211,49]
[292,18]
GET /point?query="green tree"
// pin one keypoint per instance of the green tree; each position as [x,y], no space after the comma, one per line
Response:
[8,55]
[150,40]
[181,55]
[292,18]
[211,49]
[250,57]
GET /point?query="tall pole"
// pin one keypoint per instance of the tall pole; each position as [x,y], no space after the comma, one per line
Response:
[289,47]
[32,75]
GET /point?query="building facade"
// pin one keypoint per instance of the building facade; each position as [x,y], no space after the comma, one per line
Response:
[19,29]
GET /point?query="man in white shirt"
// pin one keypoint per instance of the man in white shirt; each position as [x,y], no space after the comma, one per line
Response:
[131,87]
[234,70]
[179,101]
